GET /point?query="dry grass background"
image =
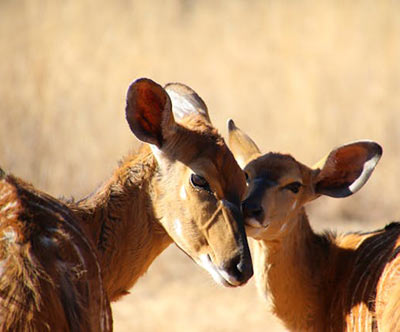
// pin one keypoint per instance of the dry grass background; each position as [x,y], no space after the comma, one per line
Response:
[299,76]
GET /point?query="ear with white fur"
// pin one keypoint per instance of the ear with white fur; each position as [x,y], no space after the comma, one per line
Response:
[346,169]
[242,146]
[185,101]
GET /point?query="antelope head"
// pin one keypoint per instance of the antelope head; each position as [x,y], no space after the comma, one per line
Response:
[279,186]
[199,185]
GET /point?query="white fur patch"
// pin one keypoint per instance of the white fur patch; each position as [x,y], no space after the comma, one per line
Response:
[158,154]
[220,276]
[182,193]
[366,173]
[178,227]
[205,263]
[232,280]
[182,107]
[283,227]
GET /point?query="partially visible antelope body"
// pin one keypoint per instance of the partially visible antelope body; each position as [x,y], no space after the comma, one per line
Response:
[318,282]
[61,263]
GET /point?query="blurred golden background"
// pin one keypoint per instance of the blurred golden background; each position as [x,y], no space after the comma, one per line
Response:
[299,76]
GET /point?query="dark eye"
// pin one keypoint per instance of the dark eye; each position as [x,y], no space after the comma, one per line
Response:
[294,187]
[246,176]
[199,182]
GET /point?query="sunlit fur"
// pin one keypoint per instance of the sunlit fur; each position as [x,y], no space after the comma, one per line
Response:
[319,282]
[61,263]
[50,276]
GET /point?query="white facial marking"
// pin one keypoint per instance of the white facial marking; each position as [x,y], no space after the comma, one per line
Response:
[178,227]
[158,154]
[294,205]
[366,173]
[182,193]
[283,227]
[205,263]
[231,279]
[220,276]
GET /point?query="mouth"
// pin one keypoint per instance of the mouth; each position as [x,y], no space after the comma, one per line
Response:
[253,222]
[220,276]
[254,228]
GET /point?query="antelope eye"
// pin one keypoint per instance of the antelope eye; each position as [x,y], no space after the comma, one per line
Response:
[293,187]
[199,182]
[246,176]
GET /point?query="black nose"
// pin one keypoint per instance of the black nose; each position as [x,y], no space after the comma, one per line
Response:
[253,210]
[239,268]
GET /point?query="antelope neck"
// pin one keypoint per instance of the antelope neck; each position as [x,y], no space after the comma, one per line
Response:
[294,274]
[119,219]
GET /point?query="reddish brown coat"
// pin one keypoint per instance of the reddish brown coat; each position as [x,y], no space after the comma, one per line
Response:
[318,282]
[62,262]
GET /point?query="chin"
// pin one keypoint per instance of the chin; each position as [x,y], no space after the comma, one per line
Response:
[256,232]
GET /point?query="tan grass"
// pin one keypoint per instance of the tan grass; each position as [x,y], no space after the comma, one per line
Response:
[299,76]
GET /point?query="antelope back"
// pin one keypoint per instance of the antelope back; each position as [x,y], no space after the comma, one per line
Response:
[49,274]
[200,186]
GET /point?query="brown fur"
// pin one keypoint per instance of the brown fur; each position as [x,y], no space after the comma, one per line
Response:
[61,263]
[50,279]
[327,282]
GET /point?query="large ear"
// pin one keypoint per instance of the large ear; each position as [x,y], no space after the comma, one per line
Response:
[185,101]
[346,169]
[148,111]
[242,146]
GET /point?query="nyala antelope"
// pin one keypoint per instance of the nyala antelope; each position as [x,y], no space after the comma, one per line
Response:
[318,282]
[61,263]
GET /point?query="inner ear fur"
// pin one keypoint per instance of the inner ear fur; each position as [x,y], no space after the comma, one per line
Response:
[347,168]
[185,101]
[242,146]
[148,111]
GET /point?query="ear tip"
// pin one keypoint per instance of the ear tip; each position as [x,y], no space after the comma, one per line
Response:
[231,125]
[180,89]
[375,150]
[142,82]
[139,81]
[378,149]
[147,106]
[143,88]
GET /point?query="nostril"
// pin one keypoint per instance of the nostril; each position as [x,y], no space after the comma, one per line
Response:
[245,269]
[253,210]
[257,212]
[239,269]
